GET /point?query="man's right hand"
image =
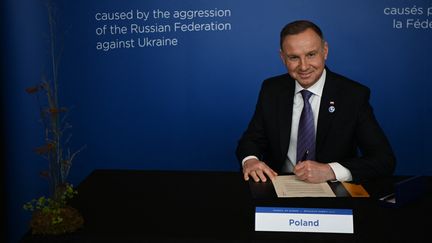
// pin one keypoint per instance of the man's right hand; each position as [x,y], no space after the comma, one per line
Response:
[258,170]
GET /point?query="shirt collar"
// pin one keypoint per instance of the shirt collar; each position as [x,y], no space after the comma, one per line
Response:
[316,88]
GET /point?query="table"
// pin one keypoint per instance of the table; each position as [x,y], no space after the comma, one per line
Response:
[213,206]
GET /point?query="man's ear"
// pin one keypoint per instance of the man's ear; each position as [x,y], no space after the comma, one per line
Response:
[325,49]
[282,56]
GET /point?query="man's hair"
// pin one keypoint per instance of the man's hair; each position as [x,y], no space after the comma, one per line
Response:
[298,27]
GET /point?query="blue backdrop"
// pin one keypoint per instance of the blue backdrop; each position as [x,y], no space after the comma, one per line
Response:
[184,106]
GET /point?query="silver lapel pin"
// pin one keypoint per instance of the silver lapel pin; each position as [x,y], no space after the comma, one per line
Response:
[331,108]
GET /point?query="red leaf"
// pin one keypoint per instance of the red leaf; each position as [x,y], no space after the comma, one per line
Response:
[32,90]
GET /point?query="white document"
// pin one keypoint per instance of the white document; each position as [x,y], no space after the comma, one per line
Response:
[290,186]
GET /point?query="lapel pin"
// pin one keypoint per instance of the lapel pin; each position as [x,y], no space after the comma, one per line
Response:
[331,108]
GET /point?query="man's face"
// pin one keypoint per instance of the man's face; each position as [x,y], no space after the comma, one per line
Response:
[304,56]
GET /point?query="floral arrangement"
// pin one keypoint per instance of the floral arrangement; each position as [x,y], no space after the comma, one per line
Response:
[53,215]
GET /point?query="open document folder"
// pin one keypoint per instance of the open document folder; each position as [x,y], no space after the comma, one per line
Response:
[290,186]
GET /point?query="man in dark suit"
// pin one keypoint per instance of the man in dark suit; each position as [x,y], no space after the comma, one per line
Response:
[346,141]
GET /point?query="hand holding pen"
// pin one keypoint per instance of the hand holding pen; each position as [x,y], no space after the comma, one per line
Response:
[313,171]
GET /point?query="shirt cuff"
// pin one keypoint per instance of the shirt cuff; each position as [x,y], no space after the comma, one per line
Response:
[247,158]
[341,173]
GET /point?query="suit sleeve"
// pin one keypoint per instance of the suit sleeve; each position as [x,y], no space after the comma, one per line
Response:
[376,156]
[254,140]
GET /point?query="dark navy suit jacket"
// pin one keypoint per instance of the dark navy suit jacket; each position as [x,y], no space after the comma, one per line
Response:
[350,135]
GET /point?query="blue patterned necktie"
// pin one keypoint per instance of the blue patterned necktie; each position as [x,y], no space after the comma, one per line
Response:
[306,130]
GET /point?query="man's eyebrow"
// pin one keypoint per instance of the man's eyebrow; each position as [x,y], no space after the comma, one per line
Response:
[290,55]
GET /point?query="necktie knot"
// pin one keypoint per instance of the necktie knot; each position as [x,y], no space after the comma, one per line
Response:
[306,94]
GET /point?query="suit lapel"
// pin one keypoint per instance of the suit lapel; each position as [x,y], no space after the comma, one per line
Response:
[285,101]
[329,98]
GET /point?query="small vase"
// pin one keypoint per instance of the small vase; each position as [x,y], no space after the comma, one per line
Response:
[67,220]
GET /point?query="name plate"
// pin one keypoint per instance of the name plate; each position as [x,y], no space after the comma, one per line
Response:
[325,220]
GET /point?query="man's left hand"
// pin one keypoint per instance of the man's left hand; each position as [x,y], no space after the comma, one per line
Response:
[313,171]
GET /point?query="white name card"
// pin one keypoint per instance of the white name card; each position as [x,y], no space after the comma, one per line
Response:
[325,220]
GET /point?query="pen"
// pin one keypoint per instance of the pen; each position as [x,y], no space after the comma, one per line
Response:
[305,155]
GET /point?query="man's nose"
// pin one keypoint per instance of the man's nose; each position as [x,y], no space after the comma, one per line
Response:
[304,64]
